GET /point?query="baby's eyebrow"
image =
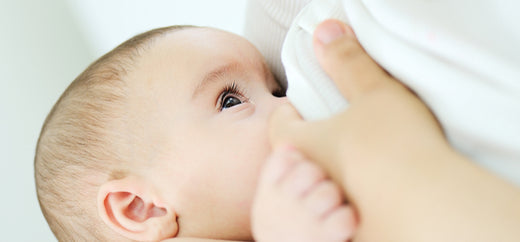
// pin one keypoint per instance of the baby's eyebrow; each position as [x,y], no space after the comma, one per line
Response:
[214,75]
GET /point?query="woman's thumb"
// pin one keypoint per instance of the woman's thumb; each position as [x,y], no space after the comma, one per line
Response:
[345,61]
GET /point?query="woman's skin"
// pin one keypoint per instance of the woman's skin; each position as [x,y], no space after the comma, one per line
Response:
[389,154]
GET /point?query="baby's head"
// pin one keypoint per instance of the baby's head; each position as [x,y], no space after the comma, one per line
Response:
[163,136]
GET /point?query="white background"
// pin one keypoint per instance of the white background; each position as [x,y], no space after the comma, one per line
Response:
[44,45]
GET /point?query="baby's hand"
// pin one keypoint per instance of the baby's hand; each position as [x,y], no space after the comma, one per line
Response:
[296,202]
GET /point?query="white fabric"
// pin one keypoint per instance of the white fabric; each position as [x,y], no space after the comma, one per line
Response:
[461,57]
[267,23]
[310,90]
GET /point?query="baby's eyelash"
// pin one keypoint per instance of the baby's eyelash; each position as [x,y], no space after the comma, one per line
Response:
[230,89]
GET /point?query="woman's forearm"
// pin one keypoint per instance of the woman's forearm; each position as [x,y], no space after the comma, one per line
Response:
[439,197]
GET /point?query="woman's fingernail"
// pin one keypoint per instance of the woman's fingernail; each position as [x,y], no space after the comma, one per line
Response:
[330,31]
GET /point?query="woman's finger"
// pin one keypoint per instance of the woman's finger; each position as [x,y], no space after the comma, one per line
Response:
[346,62]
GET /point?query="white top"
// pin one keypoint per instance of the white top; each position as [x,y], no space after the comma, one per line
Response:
[461,57]
[267,23]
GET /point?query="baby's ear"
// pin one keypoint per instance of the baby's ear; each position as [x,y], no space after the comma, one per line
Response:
[129,207]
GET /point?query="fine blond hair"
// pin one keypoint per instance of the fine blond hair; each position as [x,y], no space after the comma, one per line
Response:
[77,150]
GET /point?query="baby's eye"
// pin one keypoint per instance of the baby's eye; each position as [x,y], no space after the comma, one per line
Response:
[229,101]
[230,96]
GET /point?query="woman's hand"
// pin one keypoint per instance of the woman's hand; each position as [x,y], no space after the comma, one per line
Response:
[384,122]
[391,157]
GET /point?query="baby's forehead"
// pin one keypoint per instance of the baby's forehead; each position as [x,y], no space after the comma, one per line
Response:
[203,38]
[186,56]
[199,50]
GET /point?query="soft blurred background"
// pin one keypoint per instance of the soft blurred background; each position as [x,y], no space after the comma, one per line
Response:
[44,45]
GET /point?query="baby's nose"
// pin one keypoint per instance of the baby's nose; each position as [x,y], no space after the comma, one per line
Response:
[282,100]
[274,103]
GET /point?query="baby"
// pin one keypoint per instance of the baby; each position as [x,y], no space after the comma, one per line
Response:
[165,138]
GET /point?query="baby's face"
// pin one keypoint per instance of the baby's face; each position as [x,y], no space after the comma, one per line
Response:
[204,98]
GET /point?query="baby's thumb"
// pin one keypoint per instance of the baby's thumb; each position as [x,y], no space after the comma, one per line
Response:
[345,60]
